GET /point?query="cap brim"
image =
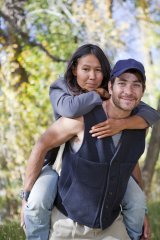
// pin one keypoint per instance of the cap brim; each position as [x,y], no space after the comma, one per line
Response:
[117,74]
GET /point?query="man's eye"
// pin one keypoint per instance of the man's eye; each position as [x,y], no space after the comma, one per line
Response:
[121,83]
[137,85]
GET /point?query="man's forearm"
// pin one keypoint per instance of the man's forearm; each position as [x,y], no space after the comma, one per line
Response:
[137,175]
[34,167]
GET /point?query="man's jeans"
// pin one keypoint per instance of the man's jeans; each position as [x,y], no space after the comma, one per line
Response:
[40,203]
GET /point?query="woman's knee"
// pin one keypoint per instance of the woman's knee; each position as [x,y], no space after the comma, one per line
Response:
[134,196]
[44,191]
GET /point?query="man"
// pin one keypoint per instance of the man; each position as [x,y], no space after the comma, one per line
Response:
[94,177]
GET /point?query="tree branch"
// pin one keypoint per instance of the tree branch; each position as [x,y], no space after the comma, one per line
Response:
[26,38]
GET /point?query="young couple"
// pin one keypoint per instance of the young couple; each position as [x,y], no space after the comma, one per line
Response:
[98,194]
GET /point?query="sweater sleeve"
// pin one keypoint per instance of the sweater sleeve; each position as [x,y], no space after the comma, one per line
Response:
[67,105]
[149,114]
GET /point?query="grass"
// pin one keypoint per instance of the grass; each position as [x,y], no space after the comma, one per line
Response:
[154,216]
[13,231]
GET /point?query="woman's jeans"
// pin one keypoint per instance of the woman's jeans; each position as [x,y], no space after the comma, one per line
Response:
[37,213]
[134,209]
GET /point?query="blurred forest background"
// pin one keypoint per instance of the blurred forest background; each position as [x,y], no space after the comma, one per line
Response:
[36,40]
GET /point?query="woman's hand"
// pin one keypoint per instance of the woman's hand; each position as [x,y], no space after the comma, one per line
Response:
[103,93]
[108,128]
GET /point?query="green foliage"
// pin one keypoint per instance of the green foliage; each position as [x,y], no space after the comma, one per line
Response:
[11,231]
[156,183]
[154,213]
[26,74]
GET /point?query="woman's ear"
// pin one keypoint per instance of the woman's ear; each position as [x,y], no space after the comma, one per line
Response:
[74,71]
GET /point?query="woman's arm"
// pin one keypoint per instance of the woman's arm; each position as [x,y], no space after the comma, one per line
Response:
[113,126]
[148,113]
[144,117]
[67,105]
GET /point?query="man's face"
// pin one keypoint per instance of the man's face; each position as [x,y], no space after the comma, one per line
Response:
[88,72]
[126,92]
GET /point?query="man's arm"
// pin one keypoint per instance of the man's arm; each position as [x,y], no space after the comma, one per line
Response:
[61,131]
[137,175]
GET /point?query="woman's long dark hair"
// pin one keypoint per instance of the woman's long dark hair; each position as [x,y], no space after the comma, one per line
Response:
[81,52]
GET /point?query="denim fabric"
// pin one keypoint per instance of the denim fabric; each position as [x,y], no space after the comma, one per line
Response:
[37,214]
[40,203]
[133,209]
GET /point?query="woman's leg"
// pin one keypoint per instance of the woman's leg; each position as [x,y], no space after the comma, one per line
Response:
[37,213]
[133,209]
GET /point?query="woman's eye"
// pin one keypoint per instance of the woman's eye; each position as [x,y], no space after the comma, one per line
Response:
[99,69]
[85,69]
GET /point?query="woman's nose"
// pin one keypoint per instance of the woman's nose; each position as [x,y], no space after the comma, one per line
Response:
[92,75]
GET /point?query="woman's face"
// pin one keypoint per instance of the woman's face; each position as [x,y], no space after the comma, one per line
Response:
[88,72]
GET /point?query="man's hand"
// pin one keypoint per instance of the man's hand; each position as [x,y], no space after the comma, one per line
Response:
[107,128]
[103,93]
[22,214]
[146,234]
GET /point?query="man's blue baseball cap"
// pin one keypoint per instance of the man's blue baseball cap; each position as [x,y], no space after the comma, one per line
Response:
[124,65]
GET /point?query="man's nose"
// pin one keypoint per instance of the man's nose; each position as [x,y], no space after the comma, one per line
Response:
[128,89]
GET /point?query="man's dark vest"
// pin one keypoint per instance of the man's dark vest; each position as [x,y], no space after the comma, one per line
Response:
[94,179]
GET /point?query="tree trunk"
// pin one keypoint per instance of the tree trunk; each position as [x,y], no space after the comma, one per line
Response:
[152,156]
[109,8]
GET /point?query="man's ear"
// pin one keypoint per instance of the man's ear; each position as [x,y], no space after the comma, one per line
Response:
[110,87]
[144,89]
[74,71]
